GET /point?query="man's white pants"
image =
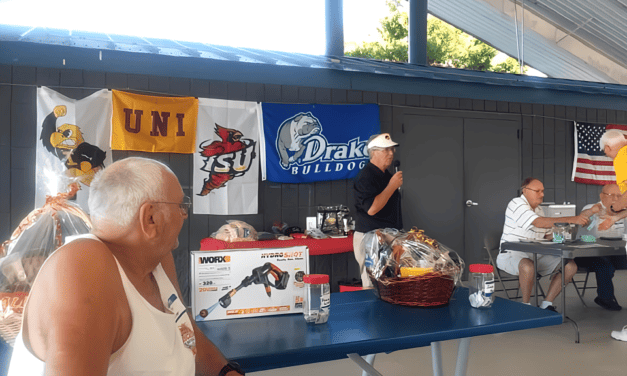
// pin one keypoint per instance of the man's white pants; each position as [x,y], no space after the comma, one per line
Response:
[360,256]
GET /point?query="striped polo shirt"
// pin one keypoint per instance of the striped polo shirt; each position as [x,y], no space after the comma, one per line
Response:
[519,217]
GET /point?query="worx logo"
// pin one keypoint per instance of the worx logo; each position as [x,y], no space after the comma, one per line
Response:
[213,259]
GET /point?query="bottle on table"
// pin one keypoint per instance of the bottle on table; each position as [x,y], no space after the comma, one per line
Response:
[481,285]
[317,300]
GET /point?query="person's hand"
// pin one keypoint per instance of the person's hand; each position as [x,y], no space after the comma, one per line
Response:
[607,223]
[580,220]
[397,180]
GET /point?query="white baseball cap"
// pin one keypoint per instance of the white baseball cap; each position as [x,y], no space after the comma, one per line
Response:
[382,141]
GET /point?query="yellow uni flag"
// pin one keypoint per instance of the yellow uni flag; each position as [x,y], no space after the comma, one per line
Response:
[154,124]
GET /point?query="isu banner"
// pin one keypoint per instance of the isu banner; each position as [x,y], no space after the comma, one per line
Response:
[308,143]
[72,142]
[226,166]
[153,124]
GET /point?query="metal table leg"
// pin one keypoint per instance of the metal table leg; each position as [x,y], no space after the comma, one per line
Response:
[564,317]
[436,358]
[365,365]
[535,276]
[462,356]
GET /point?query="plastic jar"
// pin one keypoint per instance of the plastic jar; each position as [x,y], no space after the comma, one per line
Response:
[317,298]
[481,285]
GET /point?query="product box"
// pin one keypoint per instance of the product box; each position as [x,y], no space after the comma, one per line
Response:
[238,283]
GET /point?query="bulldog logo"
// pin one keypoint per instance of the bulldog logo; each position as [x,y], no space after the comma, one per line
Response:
[292,135]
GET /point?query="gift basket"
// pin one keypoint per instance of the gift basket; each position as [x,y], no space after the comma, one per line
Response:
[411,269]
[37,236]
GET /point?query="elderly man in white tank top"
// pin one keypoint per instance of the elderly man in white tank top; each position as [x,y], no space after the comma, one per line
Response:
[108,303]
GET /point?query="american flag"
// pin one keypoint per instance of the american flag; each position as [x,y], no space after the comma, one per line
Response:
[591,166]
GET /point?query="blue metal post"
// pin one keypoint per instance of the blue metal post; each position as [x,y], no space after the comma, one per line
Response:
[418,32]
[334,27]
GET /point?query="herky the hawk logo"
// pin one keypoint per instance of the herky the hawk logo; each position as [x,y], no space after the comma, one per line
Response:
[66,142]
[226,159]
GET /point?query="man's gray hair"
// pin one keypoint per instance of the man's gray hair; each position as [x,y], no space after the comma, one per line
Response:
[373,148]
[117,191]
[611,138]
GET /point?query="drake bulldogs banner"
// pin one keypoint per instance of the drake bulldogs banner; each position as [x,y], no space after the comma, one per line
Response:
[308,143]
[226,163]
[73,140]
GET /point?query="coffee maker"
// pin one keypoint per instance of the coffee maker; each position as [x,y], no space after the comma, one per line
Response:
[331,219]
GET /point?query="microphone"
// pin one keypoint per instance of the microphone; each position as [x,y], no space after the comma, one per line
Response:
[396,165]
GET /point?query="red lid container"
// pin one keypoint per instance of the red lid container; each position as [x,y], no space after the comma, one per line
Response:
[316,279]
[480,268]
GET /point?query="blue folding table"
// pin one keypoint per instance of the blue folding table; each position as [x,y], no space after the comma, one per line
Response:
[361,324]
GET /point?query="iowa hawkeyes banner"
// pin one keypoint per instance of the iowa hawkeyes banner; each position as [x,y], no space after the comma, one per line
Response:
[307,143]
[153,124]
[226,164]
[72,142]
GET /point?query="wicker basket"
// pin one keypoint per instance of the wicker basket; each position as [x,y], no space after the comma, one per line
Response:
[427,290]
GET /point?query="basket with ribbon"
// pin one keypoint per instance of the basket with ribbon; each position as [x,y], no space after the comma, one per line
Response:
[36,237]
[410,268]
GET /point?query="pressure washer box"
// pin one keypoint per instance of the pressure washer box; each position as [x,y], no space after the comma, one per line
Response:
[238,283]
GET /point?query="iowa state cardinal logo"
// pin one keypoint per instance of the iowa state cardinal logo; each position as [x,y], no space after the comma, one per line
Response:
[225,159]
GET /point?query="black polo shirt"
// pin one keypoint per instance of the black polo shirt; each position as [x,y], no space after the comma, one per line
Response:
[368,184]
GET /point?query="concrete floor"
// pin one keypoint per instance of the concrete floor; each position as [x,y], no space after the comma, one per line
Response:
[544,351]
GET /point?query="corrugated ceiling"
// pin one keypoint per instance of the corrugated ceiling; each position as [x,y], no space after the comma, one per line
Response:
[566,39]
[573,39]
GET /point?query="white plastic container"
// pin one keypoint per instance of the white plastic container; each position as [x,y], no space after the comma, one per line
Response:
[317,301]
[481,285]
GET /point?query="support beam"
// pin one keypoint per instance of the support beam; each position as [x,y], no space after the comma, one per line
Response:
[418,32]
[334,27]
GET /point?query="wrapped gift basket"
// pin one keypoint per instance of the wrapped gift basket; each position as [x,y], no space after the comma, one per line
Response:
[37,236]
[411,269]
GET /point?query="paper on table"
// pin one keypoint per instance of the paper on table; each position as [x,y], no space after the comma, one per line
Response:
[589,245]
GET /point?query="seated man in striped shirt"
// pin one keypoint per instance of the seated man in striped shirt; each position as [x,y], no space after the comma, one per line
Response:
[524,220]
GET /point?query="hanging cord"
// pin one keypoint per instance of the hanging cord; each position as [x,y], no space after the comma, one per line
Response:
[516,25]
[522,42]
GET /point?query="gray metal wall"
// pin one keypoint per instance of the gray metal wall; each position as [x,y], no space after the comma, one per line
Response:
[547,147]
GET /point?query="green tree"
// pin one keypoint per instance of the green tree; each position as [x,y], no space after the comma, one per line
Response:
[446,45]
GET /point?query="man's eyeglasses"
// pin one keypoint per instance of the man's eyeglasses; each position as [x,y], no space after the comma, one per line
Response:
[535,190]
[184,206]
[612,196]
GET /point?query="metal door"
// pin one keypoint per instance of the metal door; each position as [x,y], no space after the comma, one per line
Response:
[491,179]
[431,155]
[449,160]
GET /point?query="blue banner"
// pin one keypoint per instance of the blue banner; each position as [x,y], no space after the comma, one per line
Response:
[315,142]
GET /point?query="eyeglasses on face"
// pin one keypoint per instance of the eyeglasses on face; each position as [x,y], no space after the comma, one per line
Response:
[612,196]
[184,205]
[535,190]
[391,149]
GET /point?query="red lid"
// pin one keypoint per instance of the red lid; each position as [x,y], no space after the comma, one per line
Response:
[480,268]
[316,279]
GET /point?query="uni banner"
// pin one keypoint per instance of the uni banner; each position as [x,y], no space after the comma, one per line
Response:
[306,143]
[226,166]
[153,124]
[73,139]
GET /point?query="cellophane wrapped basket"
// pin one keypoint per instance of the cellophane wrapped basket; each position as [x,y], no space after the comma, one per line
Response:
[37,236]
[411,269]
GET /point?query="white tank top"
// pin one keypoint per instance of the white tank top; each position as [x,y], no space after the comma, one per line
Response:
[159,344]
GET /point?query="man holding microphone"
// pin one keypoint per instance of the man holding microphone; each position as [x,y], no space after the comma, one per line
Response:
[377,196]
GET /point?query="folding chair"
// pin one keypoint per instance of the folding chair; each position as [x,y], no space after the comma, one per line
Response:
[491,242]
[582,284]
